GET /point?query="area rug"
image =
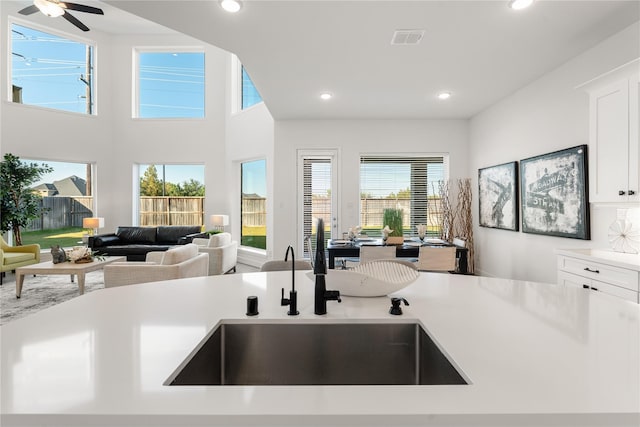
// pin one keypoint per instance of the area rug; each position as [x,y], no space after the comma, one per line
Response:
[41,292]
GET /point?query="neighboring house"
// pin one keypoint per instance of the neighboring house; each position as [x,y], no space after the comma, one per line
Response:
[70,186]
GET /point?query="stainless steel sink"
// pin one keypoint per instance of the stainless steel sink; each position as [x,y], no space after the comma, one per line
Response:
[287,353]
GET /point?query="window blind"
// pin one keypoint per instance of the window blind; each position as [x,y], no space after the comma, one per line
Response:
[316,196]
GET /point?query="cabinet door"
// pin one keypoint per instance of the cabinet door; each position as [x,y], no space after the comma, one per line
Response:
[570,279]
[634,137]
[609,143]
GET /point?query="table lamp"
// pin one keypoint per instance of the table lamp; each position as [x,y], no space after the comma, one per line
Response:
[219,221]
[93,223]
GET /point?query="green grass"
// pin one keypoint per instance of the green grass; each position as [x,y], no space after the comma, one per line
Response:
[259,242]
[65,237]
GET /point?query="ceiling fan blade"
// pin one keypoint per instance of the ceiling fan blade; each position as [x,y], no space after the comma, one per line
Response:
[81,8]
[69,17]
[28,10]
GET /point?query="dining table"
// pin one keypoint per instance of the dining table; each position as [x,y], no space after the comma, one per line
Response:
[350,248]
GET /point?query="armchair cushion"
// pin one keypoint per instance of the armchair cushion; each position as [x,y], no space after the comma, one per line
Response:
[12,257]
[179,254]
[220,239]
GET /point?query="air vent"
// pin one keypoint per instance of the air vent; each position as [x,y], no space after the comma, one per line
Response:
[404,37]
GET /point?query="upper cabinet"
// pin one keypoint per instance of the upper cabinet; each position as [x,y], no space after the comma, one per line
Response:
[614,157]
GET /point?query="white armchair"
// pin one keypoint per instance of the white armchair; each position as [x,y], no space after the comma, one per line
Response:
[223,252]
[176,263]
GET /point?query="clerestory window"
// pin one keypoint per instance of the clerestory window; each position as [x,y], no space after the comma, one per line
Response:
[51,71]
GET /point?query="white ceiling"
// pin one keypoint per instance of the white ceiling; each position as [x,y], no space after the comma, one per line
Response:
[479,50]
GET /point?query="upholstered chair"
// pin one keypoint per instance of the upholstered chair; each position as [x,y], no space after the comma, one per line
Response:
[223,252]
[12,257]
[178,262]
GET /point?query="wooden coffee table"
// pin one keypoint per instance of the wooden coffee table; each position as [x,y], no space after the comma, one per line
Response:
[73,269]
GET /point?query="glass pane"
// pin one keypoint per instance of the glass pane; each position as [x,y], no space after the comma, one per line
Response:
[171,194]
[250,95]
[254,204]
[171,85]
[411,184]
[317,198]
[51,71]
[67,197]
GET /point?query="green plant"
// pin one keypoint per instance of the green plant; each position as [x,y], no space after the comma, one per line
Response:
[18,202]
[393,218]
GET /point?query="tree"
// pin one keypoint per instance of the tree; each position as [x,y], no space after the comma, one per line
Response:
[191,188]
[150,184]
[19,203]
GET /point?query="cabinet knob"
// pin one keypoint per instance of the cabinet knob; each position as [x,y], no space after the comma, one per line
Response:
[621,193]
[631,192]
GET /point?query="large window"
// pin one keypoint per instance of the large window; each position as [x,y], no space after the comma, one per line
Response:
[170,85]
[253,209]
[67,198]
[411,184]
[250,95]
[51,71]
[171,195]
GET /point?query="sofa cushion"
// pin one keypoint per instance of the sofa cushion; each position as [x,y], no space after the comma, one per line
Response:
[173,233]
[140,235]
[220,239]
[106,240]
[16,257]
[179,254]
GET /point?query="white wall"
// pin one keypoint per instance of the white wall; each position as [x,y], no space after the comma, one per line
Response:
[351,138]
[547,115]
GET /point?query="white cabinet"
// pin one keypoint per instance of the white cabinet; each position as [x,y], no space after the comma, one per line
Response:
[610,272]
[614,157]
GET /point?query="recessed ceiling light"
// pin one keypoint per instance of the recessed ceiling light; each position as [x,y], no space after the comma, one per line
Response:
[444,95]
[326,96]
[520,4]
[231,6]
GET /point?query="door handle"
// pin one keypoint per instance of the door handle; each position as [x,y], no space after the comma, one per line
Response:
[591,271]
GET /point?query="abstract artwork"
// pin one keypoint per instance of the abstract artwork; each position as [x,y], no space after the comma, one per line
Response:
[498,196]
[555,196]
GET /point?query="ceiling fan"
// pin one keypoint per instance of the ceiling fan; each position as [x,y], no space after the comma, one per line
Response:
[55,8]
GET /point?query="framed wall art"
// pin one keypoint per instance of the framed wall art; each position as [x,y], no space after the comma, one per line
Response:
[555,194]
[498,196]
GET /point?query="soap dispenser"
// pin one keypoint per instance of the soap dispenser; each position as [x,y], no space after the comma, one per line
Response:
[395,309]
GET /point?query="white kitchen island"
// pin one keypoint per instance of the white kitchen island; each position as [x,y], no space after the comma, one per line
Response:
[535,354]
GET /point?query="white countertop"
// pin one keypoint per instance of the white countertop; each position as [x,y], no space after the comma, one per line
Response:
[606,256]
[536,354]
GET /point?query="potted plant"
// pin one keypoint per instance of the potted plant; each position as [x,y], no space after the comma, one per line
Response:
[392,218]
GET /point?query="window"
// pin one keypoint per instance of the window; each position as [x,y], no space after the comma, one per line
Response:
[51,71]
[253,208]
[408,183]
[170,85]
[67,197]
[171,195]
[250,95]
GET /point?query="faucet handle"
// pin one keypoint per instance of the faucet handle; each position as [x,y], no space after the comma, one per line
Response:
[283,300]
[332,296]
[395,309]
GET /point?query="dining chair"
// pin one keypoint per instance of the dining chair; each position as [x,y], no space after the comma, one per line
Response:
[279,265]
[437,258]
[373,253]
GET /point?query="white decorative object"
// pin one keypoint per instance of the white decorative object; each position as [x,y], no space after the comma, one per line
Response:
[624,237]
[354,231]
[371,279]
[422,230]
[386,231]
[79,253]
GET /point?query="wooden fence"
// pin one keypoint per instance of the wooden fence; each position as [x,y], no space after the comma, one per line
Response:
[171,210]
[62,211]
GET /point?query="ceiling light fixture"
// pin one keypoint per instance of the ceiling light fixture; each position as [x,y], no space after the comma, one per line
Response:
[49,8]
[325,96]
[520,4]
[231,6]
[444,95]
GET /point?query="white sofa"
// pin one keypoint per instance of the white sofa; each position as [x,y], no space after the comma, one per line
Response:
[223,252]
[176,263]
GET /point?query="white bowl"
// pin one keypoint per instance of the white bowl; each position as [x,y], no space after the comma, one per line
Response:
[371,279]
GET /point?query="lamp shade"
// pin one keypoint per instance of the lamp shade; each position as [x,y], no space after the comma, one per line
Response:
[92,223]
[219,220]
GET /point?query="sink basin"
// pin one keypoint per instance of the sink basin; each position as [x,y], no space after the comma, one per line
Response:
[285,353]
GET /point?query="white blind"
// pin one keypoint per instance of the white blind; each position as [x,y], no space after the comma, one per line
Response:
[410,183]
[316,196]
